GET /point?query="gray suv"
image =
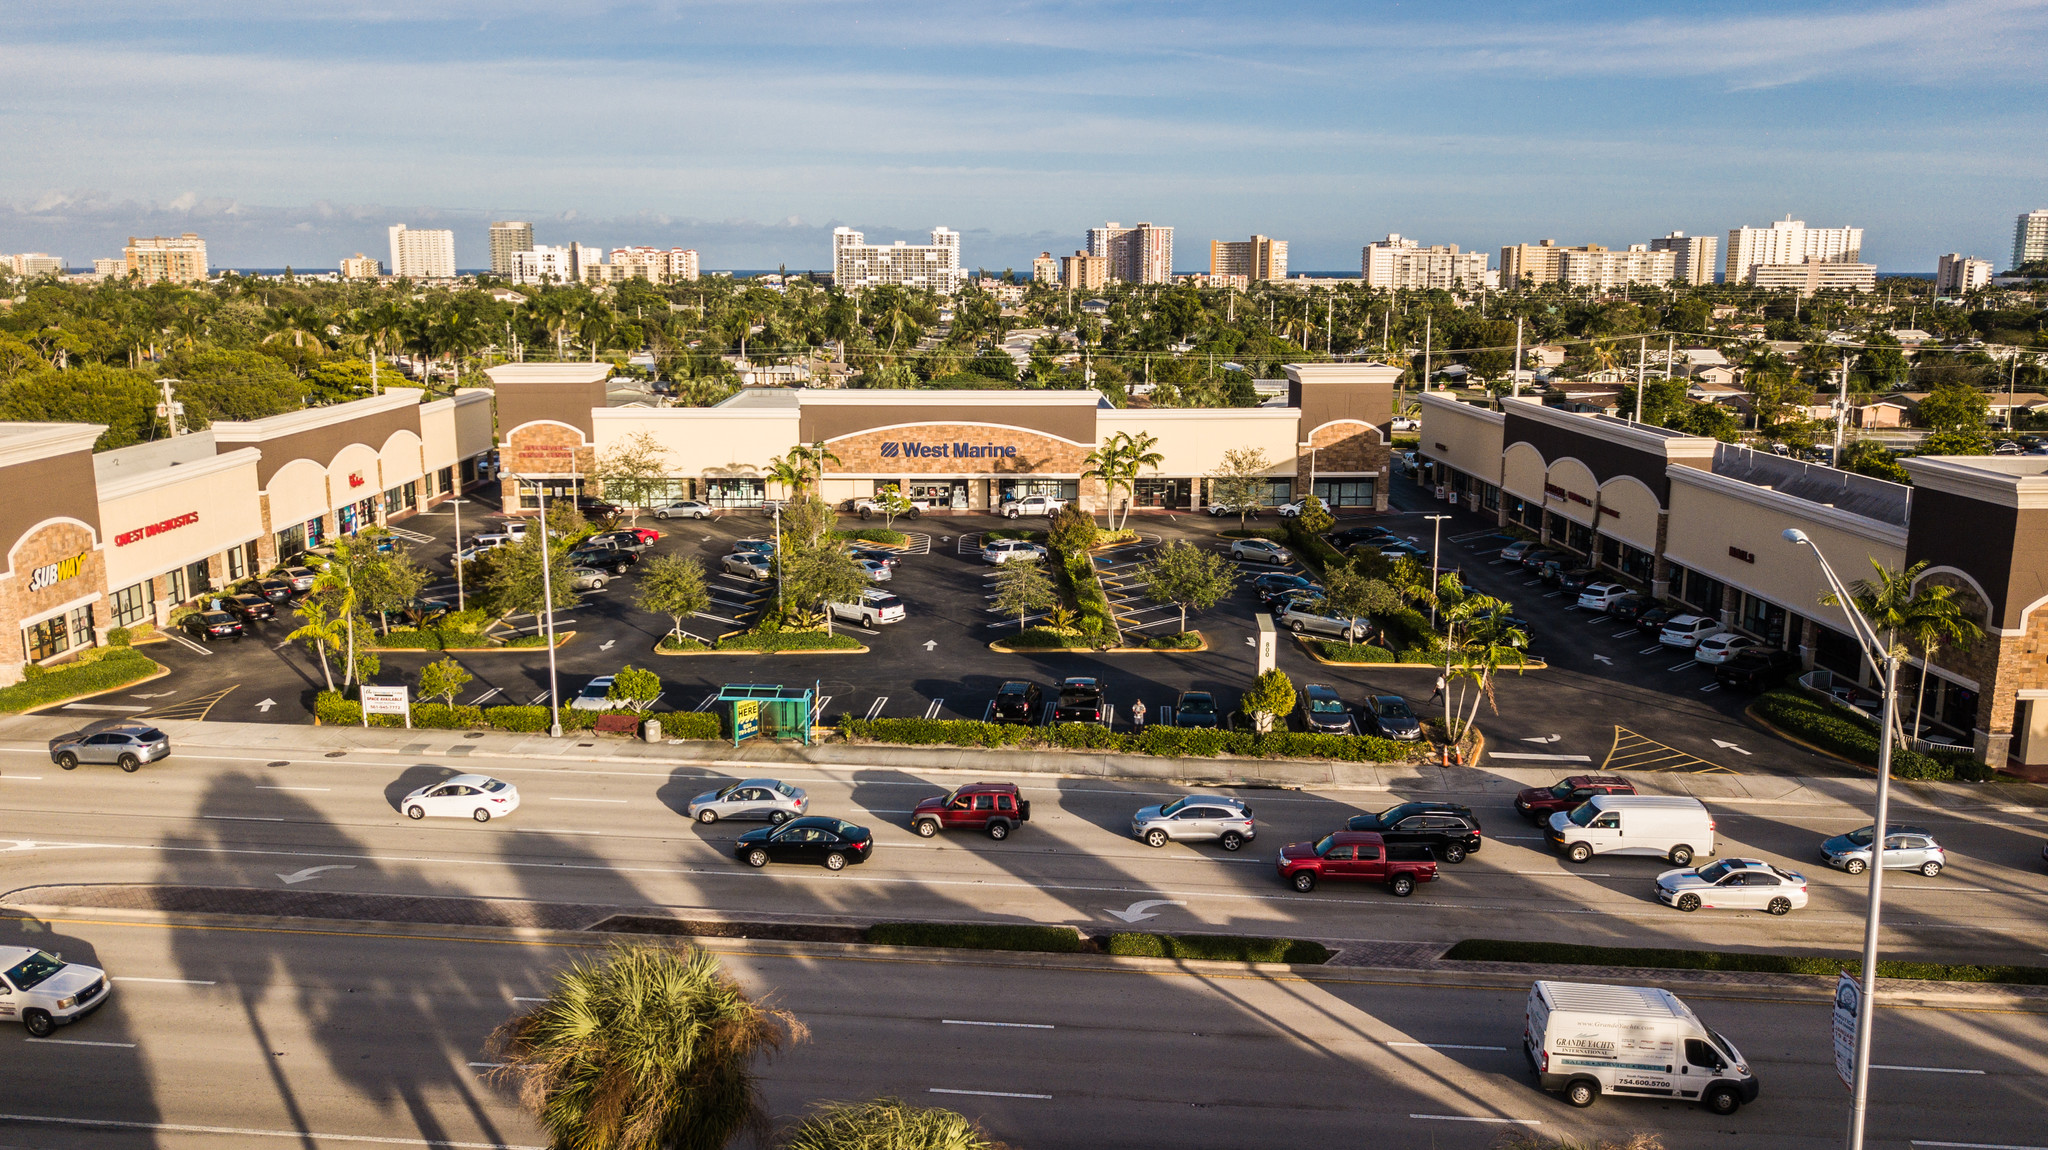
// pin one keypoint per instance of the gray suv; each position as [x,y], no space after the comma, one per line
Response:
[125,743]
[1195,818]
[1315,616]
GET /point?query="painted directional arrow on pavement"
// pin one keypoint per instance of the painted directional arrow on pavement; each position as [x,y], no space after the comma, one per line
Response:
[311,872]
[1726,746]
[1139,911]
[1603,659]
[931,644]
[265,705]
[606,645]
[1544,739]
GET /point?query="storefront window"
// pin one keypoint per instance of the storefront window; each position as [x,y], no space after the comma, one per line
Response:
[1763,618]
[81,628]
[1698,591]
[174,586]
[198,580]
[291,541]
[1524,512]
[444,481]
[316,532]
[1067,489]
[1348,492]
[1167,493]
[734,492]
[944,493]
[394,501]
[46,639]
[1837,651]
[1491,499]
[131,605]
[237,564]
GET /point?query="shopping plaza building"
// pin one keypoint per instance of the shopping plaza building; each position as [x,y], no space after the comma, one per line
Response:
[1701,523]
[117,538]
[957,451]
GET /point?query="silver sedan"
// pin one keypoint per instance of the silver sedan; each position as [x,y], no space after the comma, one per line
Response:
[1195,818]
[757,799]
[1733,884]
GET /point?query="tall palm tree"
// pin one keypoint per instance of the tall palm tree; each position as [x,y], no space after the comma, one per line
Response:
[801,467]
[378,325]
[1117,463]
[644,1048]
[1900,610]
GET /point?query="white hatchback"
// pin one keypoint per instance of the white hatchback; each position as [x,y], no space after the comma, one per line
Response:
[1718,649]
[478,797]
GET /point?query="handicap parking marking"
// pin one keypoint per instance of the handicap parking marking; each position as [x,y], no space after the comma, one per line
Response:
[486,697]
[875,708]
[932,712]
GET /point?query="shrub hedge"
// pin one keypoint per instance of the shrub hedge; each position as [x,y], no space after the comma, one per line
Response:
[116,668]
[1181,641]
[877,535]
[979,936]
[788,641]
[1218,948]
[1496,950]
[1194,742]
[1352,652]
[1046,638]
[1314,549]
[1835,730]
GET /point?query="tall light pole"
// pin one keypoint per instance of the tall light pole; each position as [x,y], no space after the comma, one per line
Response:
[457,503]
[1436,540]
[547,595]
[1886,663]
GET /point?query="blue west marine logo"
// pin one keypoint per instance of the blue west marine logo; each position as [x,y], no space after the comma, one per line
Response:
[892,449]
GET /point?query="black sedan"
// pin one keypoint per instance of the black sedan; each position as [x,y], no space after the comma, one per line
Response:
[610,562]
[1274,584]
[1756,669]
[1392,719]
[250,608]
[1017,702]
[1353,535]
[275,590]
[207,626]
[1195,709]
[1449,830]
[822,841]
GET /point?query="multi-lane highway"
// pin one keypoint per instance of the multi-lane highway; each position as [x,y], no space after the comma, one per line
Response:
[234,1038]
[611,834]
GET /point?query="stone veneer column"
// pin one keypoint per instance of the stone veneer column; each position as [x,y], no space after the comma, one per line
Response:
[1660,567]
[1809,638]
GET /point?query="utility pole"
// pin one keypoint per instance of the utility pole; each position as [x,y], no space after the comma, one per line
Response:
[1518,357]
[1428,324]
[1670,353]
[457,503]
[1642,354]
[171,405]
[547,593]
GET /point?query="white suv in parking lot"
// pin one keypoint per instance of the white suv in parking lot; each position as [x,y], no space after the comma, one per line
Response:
[1601,596]
[874,609]
[1687,631]
[1718,649]
[1000,551]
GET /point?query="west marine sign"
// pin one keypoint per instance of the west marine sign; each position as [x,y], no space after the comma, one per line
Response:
[905,449]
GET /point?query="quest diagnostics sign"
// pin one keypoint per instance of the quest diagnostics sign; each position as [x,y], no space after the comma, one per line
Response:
[958,449]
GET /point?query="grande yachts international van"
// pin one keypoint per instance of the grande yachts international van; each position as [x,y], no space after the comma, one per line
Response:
[1667,826]
[1585,1040]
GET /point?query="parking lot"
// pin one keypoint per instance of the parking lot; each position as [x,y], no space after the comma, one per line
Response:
[1607,687]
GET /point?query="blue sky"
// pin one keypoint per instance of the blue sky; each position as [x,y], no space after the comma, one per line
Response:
[297,132]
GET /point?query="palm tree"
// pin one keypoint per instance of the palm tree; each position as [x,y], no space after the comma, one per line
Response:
[1478,642]
[889,1123]
[802,466]
[1117,463]
[644,1048]
[1899,608]
[377,325]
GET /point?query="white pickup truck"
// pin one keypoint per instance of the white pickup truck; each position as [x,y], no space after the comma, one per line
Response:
[44,991]
[1034,505]
[869,508]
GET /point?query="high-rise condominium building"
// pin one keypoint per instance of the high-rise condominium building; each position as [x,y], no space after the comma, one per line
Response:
[1958,273]
[508,236]
[29,264]
[1597,267]
[673,265]
[110,267]
[1398,262]
[2030,238]
[857,264]
[1695,254]
[1045,269]
[1814,275]
[1537,263]
[1788,241]
[1142,254]
[360,267]
[422,254]
[166,259]
[1260,258]
[545,264]
[1084,272]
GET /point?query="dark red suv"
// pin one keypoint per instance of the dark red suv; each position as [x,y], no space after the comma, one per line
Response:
[1537,804]
[993,807]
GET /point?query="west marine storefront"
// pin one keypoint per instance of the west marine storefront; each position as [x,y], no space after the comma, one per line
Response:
[953,451]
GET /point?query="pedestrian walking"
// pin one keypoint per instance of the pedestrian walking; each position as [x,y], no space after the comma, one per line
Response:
[1138,712]
[1438,696]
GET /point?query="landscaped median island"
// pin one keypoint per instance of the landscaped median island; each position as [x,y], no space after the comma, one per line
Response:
[1187,742]
[763,642]
[1068,940]
[1838,731]
[94,671]
[1573,954]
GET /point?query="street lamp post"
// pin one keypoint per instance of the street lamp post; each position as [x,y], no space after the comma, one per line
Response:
[1436,540]
[1886,663]
[547,595]
[457,503]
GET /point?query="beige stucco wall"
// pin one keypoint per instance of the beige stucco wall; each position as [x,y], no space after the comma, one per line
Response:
[1462,436]
[1636,521]
[223,498]
[1193,440]
[298,492]
[456,429]
[1522,472]
[1577,479]
[400,460]
[1709,515]
[704,441]
[355,460]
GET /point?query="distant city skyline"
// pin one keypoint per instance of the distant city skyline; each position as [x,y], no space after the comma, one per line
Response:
[294,136]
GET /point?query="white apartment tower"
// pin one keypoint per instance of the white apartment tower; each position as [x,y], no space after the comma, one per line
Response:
[1959,274]
[857,264]
[508,236]
[422,254]
[1398,262]
[545,264]
[2030,238]
[1788,241]
[1695,263]
[1604,268]
[658,265]
[1142,254]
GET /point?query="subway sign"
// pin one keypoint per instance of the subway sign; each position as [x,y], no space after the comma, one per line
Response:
[908,449]
[51,574]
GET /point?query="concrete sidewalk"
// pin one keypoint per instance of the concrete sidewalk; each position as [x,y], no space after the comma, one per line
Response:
[303,743]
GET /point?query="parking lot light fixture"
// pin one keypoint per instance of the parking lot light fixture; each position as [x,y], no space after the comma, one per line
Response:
[1885,662]
[1436,542]
[457,503]
[547,595]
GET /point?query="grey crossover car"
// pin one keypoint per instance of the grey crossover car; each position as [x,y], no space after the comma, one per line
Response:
[756,799]
[1905,848]
[1195,818]
[126,744]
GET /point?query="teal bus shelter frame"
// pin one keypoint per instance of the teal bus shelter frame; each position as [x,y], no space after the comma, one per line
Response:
[752,710]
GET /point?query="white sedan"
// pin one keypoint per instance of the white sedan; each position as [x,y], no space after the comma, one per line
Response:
[1733,884]
[478,797]
[1718,649]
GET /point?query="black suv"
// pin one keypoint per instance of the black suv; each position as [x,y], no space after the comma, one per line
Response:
[1354,535]
[603,559]
[1195,709]
[1274,584]
[1573,580]
[1080,702]
[1756,669]
[1629,608]
[1017,702]
[1449,830]
[1324,713]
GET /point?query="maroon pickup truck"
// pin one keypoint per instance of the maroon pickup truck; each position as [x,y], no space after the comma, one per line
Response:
[1357,856]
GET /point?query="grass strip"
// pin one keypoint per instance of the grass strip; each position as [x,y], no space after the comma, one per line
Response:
[1219,948]
[1574,954]
[981,936]
[117,668]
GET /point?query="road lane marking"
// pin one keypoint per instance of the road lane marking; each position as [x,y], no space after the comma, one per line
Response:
[1542,758]
[560,799]
[80,1042]
[562,831]
[1444,1046]
[180,981]
[1470,1118]
[246,818]
[1015,1025]
[23,778]
[991,1093]
[261,787]
[1924,1069]
[298,1135]
[529,1000]
[1520,838]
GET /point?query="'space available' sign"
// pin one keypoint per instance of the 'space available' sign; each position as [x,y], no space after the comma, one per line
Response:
[909,449]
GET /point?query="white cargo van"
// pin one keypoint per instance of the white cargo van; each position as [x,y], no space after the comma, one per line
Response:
[1585,1040]
[1667,826]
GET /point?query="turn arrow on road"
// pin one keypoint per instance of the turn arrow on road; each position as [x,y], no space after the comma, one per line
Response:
[1139,911]
[1727,746]
[311,872]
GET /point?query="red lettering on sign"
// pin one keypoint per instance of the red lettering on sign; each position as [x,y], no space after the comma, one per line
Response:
[155,529]
[355,479]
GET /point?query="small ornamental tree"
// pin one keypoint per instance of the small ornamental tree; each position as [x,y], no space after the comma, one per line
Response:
[1072,531]
[1187,576]
[1271,697]
[1240,483]
[673,585]
[634,685]
[892,502]
[821,575]
[1023,587]
[444,679]
[1315,518]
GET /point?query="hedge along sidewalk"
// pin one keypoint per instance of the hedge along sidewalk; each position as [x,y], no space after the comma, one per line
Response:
[1741,962]
[1155,740]
[110,672]
[1829,730]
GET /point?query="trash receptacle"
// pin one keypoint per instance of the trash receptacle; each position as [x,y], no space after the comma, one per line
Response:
[651,730]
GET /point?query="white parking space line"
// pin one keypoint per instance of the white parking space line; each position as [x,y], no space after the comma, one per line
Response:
[486,1065]
[1470,1118]
[991,1093]
[875,708]
[262,787]
[1924,1070]
[245,818]
[932,712]
[1651,650]
[1521,838]
[1682,666]
[823,702]
[1539,758]
[21,778]
[487,696]
[561,831]
[537,699]
[1013,1025]
[1444,1046]
[114,707]
[518,999]
[175,981]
